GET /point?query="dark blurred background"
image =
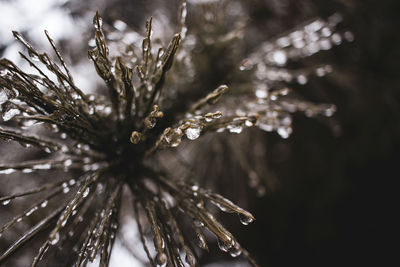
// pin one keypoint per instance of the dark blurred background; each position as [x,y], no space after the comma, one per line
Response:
[334,202]
[335,205]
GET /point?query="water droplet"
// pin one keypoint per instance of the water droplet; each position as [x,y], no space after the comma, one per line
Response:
[326,32]
[159,243]
[3,72]
[6,202]
[65,190]
[150,122]
[33,56]
[146,44]
[25,145]
[11,113]
[235,128]
[44,204]
[198,223]
[86,167]
[249,123]
[119,25]
[235,253]
[284,131]
[279,57]
[349,36]
[298,43]
[189,259]
[19,219]
[313,48]
[3,97]
[195,187]
[183,32]
[161,259]
[261,191]
[91,110]
[330,111]
[224,246]
[261,93]
[223,208]
[27,170]
[45,166]
[235,250]
[246,65]
[320,72]
[193,132]
[325,44]
[28,213]
[302,79]
[286,121]
[67,162]
[72,181]
[135,137]
[217,115]
[92,42]
[7,171]
[107,110]
[283,41]
[184,10]
[201,242]
[336,39]
[86,192]
[245,219]
[63,136]
[55,239]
